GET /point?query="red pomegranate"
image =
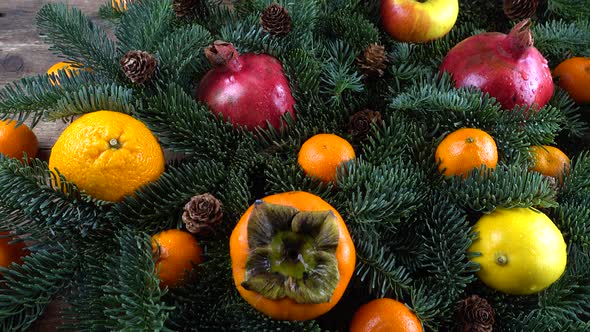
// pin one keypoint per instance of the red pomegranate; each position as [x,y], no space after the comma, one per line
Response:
[508,67]
[249,89]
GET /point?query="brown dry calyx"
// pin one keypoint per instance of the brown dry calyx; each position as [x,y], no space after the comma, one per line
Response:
[275,20]
[476,314]
[373,61]
[139,66]
[520,9]
[292,253]
[202,214]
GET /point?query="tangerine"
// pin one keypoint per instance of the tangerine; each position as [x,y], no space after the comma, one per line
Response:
[68,67]
[11,253]
[15,141]
[321,155]
[385,315]
[177,253]
[120,4]
[108,155]
[549,161]
[465,149]
[574,76]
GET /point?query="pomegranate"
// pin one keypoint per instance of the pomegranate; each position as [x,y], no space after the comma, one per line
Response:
[249,89]
[508,67]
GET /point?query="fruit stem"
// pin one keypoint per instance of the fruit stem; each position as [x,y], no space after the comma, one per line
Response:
[519,39]
[223,54]
[114,144]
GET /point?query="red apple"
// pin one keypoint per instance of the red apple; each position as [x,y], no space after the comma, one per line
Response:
[418,21]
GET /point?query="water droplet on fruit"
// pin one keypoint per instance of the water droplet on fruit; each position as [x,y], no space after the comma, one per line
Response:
[524,76]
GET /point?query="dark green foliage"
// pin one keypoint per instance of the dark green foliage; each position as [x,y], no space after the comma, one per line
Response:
[122,289]
[411,226]
[74,36]
[28,288]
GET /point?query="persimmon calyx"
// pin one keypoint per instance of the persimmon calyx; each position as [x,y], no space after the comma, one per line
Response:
[292,253]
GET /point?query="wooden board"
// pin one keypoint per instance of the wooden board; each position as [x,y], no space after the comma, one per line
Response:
[23,53]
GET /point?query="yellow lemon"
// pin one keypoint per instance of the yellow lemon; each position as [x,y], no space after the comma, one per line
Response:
[522,251]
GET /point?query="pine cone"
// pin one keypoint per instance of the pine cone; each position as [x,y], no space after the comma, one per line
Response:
[275,20]
[184,8]
[476,314]
[520,9]
[202,213]
[139,66]
[360,122]
[373,61]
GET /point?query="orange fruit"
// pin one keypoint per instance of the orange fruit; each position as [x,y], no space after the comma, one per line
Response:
[14,141]
[108,155]
[120,4]
[465,149]
[177,252]
[574,76]
[286,308]
[385,315]
[549,161]
[69,68]
[10,253]
[321,155]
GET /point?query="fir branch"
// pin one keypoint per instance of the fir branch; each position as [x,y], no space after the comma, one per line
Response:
[93,98]
[135,290]
[180,54]
[303,71]
[506,186]
[351,26]
[558,39]
[570,10]
[376,198]
[159,205]
[120,292]
[38,98]
[30,190]
[111,12]
[73,35]
[443,256]
[398,138]
[212,303]
[577,183]
[379,268]
[426,301]
[146,24]
[29,288]
[247,35]
[339,78]
[572,122]
[184,125]
[573,219]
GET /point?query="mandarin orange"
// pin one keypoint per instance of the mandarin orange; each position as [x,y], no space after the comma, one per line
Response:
[321,155]
[465,149]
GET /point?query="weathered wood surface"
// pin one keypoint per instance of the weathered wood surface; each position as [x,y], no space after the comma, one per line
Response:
[23,53]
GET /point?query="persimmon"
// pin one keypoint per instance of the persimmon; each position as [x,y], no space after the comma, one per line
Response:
[292,256]
[465,149]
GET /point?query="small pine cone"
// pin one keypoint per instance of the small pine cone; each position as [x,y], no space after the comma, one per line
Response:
[275,20]
[202,213]
[139,66]
[360,122]
[184,8]
[520,9]
[373,61]
[476,314]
